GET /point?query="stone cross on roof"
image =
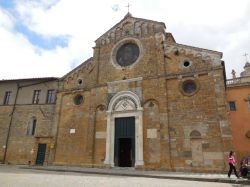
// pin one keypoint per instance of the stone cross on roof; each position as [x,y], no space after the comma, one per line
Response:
[246,56]
[233,74]
[128,7]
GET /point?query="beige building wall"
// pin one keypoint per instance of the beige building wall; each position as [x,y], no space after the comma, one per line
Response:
[21,148]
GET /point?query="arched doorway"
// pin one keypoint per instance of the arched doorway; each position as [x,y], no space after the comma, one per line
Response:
[124,142]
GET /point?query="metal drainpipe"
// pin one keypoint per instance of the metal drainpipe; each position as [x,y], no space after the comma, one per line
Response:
[168,121]
[56,123]
[98,65]
[93,145]
[9,128]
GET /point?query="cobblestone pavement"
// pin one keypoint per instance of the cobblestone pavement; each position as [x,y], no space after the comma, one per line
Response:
[15,177]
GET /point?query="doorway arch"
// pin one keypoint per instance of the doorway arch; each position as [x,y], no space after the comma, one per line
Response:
[124,104]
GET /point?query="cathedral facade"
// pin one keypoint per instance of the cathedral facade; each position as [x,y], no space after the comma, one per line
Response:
[141,101]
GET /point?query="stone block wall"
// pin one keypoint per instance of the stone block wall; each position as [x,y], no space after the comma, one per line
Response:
[5,113]
[71,146]
[16,116]
[198,114]
[22,148]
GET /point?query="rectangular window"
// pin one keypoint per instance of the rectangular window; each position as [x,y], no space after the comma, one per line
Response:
[36,96]
[7,98]
[31,127]
[51,96]
[232,106]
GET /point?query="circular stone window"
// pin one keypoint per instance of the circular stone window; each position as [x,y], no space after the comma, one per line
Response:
[186,63]
[127,54]
[189,87]
[78,99]
[79,81]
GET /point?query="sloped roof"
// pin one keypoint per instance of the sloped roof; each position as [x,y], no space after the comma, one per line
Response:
[30,79]
[169,35]
[200,49]
[78,67]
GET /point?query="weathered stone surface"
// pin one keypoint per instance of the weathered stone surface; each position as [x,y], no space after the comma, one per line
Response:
[100,135]
[15,117]
[213,155]
[166,112]
[154,151]
[152,133]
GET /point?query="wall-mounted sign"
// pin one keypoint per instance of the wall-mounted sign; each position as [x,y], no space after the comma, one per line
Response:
[72,131]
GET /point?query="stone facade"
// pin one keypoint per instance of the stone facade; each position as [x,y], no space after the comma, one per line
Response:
[17,147]
[175,93]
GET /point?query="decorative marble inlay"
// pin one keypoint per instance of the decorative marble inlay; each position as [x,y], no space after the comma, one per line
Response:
[124,103]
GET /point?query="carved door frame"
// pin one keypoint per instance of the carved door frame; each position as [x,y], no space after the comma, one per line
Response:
[124,104]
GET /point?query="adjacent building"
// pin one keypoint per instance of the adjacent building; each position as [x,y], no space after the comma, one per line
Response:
[27,111]
[143,100]
[238,96]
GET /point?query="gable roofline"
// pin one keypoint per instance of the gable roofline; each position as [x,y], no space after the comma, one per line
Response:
[168,34]
[200,49]
[77,67]
[127,16]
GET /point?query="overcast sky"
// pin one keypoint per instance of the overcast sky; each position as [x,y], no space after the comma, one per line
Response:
[48,38]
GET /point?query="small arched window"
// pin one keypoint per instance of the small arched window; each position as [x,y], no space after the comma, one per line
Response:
[78,99]
[195,135]
[31,129]
[79,82]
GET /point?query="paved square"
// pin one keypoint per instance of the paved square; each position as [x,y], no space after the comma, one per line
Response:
[15,177]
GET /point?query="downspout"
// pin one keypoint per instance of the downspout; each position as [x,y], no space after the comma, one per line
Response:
[10,124]
[93,145]
[165,57]
[94,128]
[57,121]
[224,74]
[98,64]
[169,138]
